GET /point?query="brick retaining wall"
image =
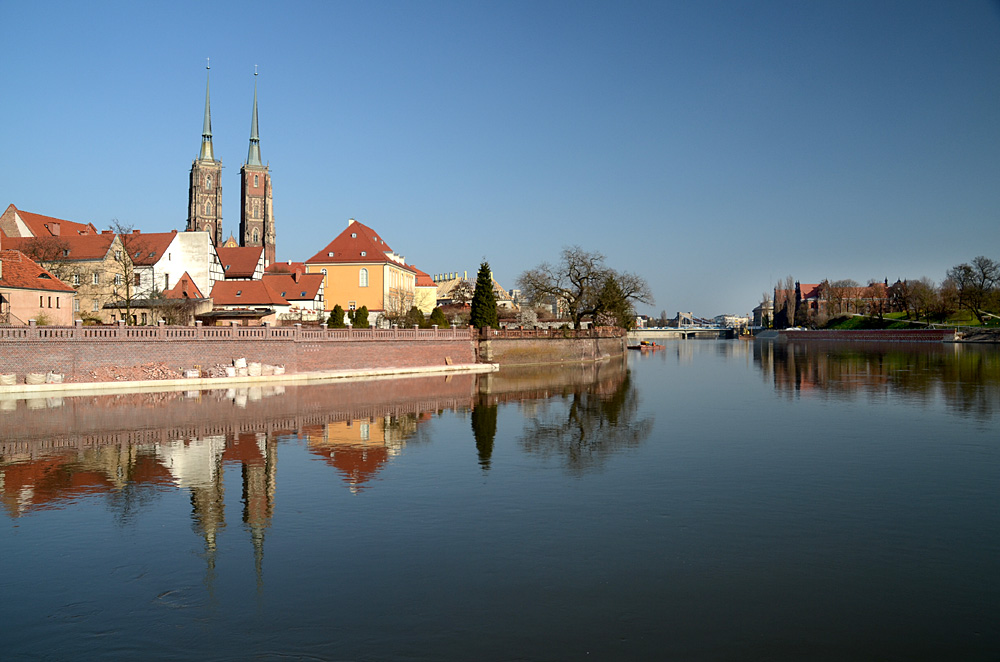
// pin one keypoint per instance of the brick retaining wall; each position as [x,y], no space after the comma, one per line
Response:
[77,351]
[884,335]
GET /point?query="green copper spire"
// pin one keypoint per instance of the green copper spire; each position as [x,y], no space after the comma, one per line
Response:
[253,158]
[206,132]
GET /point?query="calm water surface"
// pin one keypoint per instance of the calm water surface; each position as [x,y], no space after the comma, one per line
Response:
[710,501]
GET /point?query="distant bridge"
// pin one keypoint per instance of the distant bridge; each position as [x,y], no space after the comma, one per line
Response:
[686,332]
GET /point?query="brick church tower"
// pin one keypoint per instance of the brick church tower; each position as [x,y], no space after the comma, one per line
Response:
[205,189]
[256,205]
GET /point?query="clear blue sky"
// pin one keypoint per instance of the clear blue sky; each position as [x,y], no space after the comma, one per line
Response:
[712,147]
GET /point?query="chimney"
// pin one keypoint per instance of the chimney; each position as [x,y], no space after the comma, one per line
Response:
[136,231]
[54,229]
[295,276]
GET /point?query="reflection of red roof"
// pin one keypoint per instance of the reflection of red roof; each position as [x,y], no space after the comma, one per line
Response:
[48,226]
[358,464]
[75,247]
[245,293]
[51,481]
[243,449]
[147,249]
[184,289]
[305,288]
[240,262]
[23,273]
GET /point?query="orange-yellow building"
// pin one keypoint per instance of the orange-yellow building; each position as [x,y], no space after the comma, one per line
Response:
[362,270]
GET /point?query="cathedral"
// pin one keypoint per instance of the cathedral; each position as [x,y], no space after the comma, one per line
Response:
[205,191]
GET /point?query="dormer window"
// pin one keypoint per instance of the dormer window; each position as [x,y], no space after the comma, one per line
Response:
[363,253]
[330,254]
[354,235]
[227,267]
[65,252]
[239,292]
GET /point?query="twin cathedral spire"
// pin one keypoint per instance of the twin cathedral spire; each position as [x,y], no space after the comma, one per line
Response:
[205,190]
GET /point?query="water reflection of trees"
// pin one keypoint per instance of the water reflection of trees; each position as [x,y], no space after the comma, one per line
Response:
[585,423]
[965,377]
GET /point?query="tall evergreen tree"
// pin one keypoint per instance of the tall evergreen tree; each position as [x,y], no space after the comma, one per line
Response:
[361,318]
[484,300]
[336,320]
[437,317]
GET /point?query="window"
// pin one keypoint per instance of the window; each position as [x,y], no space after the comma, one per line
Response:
[94,307]
[41,301]
[354,235]
[76,279]
[166,281]
[50,302]
[118,280]
[65,252]
[118,255]
[76,305]
[208,208]
[144,318]
[97,278]
[255,181]
[352,305]
[363,278]
[323,271]
[57,303]
[208,181]
[363,253]
[256,236]
[137,279]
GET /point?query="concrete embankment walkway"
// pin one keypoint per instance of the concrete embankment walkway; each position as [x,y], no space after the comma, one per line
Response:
[199,383]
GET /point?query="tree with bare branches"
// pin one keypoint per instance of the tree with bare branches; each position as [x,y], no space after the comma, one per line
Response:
[576,283]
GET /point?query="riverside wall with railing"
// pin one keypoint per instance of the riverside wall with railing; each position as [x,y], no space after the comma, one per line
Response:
[80,353]
[100,353]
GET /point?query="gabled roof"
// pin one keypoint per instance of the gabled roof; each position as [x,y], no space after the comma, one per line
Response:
[42,226]
[146,249]
[241,261]
[22,273]
[358,244]
[184,289]
[286,267]
[423,279]
[245,293]
[304,288]
[64,248]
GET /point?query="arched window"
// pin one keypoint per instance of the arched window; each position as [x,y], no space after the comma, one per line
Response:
[208,181]
[256,236]
[363,278]
[255,182]
[208,209]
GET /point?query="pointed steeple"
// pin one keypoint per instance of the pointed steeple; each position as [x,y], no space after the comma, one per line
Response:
[206,132]
[253,157]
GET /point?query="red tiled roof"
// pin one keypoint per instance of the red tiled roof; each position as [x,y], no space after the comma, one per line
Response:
[286,267]
[240,262]
[79,247]
[245,293]
[23,273]
[358,243]
[146,249]
[423,279]
[184,289]
[304,289]
[47,226]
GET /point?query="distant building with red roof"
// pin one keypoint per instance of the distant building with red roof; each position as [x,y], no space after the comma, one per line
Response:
[28,291]
[245,301]
[242,262]
[17,223]
[302,291]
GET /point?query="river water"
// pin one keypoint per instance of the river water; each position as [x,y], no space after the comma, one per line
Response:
[713,500]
